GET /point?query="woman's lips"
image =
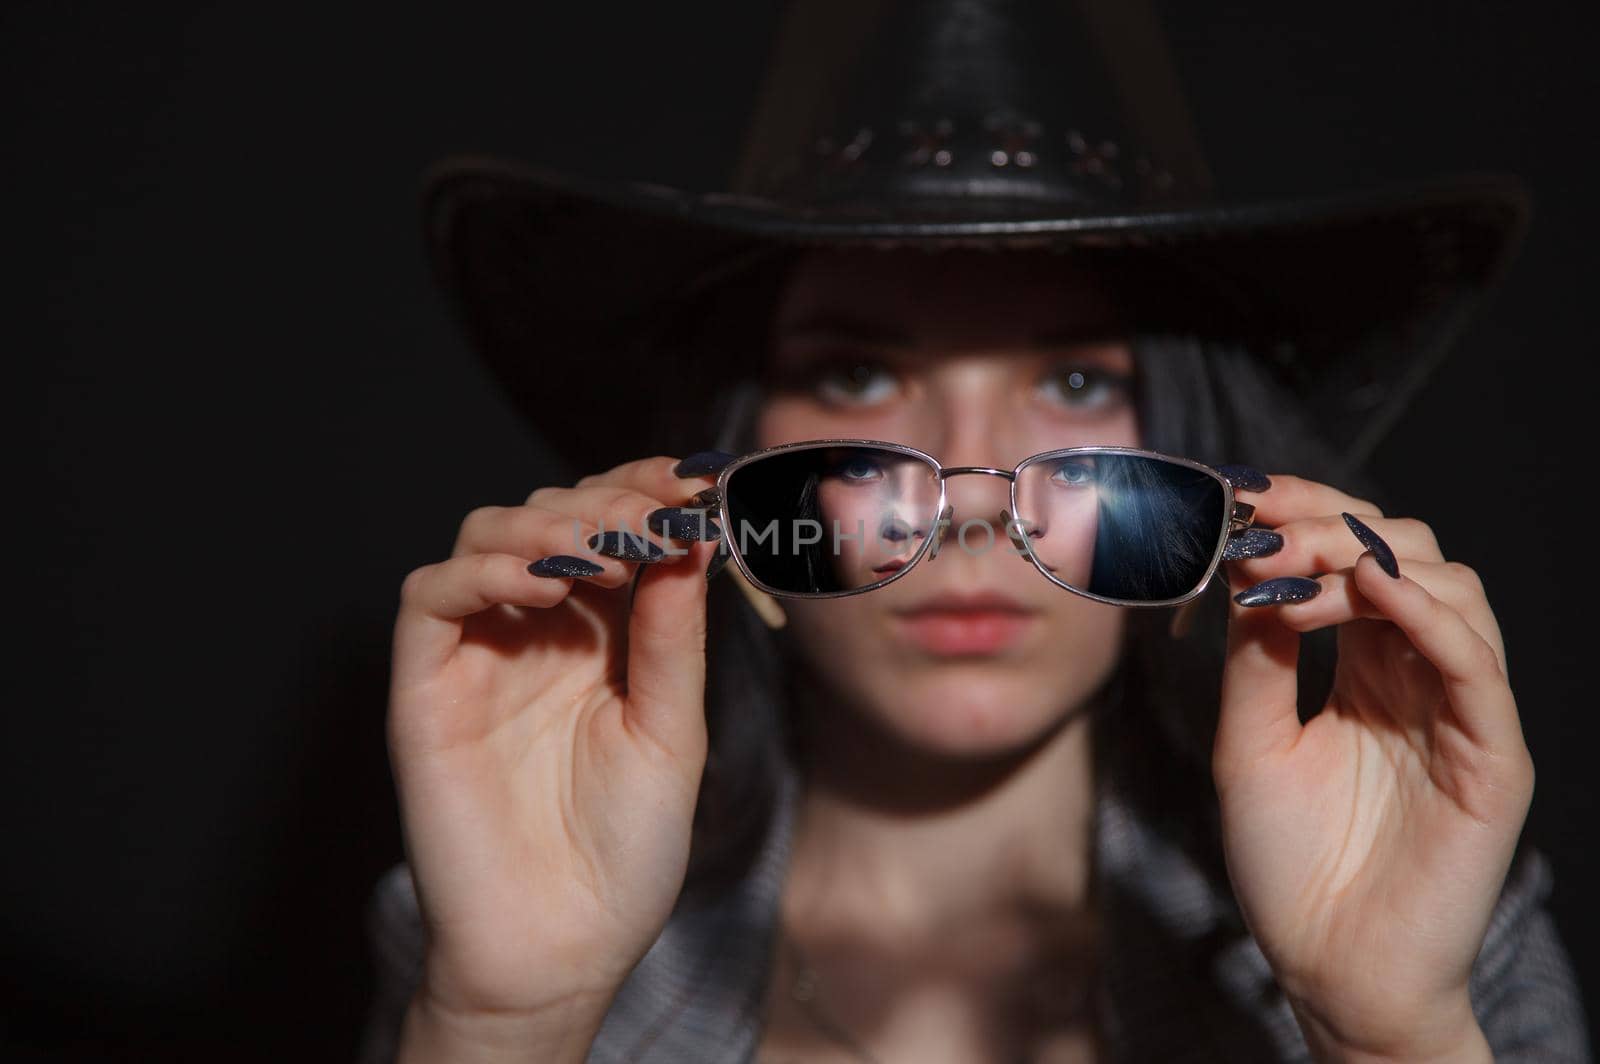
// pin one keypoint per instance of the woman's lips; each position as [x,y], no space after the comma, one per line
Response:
[975,625]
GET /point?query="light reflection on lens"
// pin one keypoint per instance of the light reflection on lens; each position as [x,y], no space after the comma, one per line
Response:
[1127,527]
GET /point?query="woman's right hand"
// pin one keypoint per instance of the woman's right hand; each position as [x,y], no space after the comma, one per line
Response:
[547,742]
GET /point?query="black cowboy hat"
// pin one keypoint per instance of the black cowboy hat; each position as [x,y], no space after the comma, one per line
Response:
[995,123]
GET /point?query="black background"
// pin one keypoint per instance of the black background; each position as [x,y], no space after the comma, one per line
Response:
[255,417]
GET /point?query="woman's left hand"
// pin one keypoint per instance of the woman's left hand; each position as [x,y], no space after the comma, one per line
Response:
[1367,847]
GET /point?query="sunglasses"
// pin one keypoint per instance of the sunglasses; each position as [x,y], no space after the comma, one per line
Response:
[829,518]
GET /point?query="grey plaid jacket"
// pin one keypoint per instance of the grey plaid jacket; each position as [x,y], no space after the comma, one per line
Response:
[1175,984]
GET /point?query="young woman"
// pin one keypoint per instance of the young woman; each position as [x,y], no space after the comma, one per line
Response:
[549,739]
[652,814]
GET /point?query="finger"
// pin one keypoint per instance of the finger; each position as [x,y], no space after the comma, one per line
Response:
[666,653]
[535,532]
[1259,706]
[704,463]
[591,510]
[1343,598]
[658,477]
[1292,498]
[1472,670]
[1323,543]
[435,599]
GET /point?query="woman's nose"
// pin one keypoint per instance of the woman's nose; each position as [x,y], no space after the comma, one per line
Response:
[970,423]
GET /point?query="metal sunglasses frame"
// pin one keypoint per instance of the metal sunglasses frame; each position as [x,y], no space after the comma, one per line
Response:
[1236,515]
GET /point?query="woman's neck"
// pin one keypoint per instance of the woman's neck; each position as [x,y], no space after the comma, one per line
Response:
[905,845]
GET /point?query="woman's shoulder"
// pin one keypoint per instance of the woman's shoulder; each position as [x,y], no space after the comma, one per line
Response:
[1178,951]
[394,920]
[398,943]
[1524,989]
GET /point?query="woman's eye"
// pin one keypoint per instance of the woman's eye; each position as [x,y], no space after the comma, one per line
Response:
[1074,473]
[855,381]
[1086,388]
[855,468]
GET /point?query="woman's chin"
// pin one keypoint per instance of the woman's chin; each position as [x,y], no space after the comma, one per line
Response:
[973,718]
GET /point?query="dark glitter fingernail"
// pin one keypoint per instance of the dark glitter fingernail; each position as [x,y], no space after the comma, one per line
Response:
[1279,590]
[1374,542]
[1244,478]
[719,559]
[682,523]
[703,463]
[564,565]
[625,546]
[1252,543]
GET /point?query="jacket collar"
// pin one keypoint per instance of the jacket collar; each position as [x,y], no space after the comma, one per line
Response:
[1179,981]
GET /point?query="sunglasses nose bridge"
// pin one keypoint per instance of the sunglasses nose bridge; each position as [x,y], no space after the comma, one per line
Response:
[965,470]
[946,518]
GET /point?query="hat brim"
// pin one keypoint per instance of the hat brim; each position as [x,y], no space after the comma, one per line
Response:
[1354,297]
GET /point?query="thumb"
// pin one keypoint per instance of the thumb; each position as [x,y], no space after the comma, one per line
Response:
[666,679]
[1260,686]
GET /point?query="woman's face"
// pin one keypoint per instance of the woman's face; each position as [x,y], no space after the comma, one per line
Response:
[979,359]
[880,504]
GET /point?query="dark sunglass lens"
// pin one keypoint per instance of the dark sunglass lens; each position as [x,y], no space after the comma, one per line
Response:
[1125,527]
[828,519]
